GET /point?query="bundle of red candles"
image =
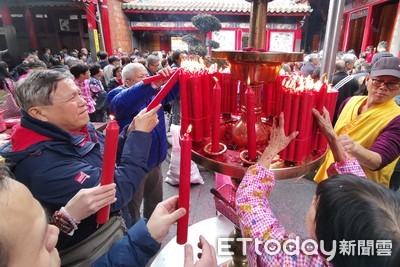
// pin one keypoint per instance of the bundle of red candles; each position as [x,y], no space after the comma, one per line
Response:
[296,96]
[198,103]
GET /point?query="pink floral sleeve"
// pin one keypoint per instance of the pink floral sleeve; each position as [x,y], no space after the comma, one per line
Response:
[347,166]
[257,221]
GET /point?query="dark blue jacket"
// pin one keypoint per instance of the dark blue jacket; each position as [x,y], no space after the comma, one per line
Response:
[55,165]
[134,249]
[126,103]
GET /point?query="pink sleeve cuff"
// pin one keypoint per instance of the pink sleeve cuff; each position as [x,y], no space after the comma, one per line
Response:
[347,166]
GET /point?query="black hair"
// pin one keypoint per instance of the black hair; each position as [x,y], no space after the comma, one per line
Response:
[94,69]
[113,59]
[353,208]
[27,54]
[55,61]
[80,55]
[115,69]
[175,55]
[4,74]
[78,69]
[102,55]
[125,60]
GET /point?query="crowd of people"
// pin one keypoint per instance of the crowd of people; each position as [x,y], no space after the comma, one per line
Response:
[55,158]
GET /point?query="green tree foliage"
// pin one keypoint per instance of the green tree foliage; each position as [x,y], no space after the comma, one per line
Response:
[213,44]
[205,23]
[192,40]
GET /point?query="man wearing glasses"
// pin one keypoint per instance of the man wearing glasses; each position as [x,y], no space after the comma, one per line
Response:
[152,65]
[368,127]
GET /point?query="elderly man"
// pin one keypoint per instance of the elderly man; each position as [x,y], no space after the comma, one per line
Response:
[368,127]
[56,151]
[125,102]
[309,66]
[152,64]
[349,61]
[382,52]
[346,85]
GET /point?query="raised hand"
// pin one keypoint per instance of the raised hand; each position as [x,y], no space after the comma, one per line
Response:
[145,121]
[324,123]
[277,141]
[89,201]
[164,215]
[166,72]
[325,126]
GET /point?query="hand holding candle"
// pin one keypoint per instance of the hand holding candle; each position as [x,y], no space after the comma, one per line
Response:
[164,91]
[109,157]
[155,78]
[184,186]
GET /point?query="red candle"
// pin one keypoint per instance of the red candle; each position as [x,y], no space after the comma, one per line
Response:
[330,104]
[216,111]
[242,94]
[301,137]
[234,95]
[321,101]
[107,172]
[197,106]
[153,78]
[309,125]
[164,91]
[287,113]
[333,95]
[184,186]
[183,81]
[226,92]
[251,124]
[205,81]
[269,101]
[321,97]
[293,126]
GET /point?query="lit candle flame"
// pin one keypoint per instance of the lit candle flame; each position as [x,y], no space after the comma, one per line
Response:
[112,117]
[299,83]
[248,81]
[189,129]
[193,64]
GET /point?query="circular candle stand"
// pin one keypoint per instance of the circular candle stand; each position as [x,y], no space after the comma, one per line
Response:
[245,157]
[252,67]
[255,68]
[221,149]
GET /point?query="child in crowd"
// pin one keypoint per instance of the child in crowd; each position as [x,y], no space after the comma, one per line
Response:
[357,219]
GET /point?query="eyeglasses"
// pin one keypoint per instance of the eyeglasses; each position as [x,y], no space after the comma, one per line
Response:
[392,86]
